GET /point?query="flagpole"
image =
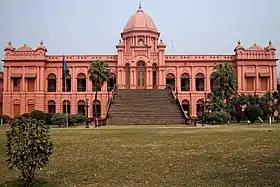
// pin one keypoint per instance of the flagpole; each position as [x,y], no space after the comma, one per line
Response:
[66,101]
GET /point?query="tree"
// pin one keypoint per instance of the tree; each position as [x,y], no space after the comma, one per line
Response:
[219,100]
[28,147]
[98,74]
[225,79]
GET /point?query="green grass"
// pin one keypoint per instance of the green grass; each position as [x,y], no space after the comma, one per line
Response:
[235,155]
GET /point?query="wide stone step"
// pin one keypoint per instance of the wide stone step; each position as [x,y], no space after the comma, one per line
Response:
[144,105]
[145,122]
[145,110]
[142,114]
[141,97]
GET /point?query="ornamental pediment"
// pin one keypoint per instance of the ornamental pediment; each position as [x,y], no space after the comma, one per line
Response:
[25,48]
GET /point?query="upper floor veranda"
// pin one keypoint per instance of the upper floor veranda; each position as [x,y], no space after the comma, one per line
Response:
[33,70]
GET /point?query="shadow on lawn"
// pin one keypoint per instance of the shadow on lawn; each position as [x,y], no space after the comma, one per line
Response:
[260,172]
[20,183]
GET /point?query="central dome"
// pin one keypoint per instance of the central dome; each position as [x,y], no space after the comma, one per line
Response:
[140,21]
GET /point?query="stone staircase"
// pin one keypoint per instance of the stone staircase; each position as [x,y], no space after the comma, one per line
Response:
[143,107]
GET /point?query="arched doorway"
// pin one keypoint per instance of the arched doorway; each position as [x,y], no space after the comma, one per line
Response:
[51,107]
[96,112]
[112,82]
[81,107]
[141,75]
[170,80]
[200,108]
[186,107]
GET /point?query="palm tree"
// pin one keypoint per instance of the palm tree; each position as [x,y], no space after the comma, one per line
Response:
[98,74]
[225,79]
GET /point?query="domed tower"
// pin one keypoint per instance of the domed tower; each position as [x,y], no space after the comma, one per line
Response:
[140,49]
[140,30]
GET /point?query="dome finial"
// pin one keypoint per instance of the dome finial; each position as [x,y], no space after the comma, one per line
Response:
[140,6]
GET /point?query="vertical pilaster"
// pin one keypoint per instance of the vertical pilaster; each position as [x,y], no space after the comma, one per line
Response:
[270,78]
[74,79]
[59,80]
[37,78]
[257,88]
[243,78]
[208,80]
[178,80]
[6,78]
[10,82]
[42,80]
[274,86]
[239,78]
[22,86]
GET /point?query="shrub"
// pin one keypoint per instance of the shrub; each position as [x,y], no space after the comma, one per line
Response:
[217,117]
[28,147]
[38,114]
[252,112]
[77,119]
[48,118]
[58,119]
[238,113]
[26,115]
[5,118]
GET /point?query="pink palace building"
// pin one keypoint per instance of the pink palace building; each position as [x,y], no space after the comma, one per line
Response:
[33,78]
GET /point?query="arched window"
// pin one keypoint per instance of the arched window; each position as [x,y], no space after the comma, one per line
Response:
[127,75]
[170,80]
[66,107]
[185,82]
[30,106]
[51,107]
[81,107]
[141,42]
[51,83]
[68,84]
[199,82]
[186,107]
[81,82]
[155,70]
[96,111]
[200,107]
[112,82]
[16,107]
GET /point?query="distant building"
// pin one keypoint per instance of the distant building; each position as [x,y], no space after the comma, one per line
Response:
[33,77]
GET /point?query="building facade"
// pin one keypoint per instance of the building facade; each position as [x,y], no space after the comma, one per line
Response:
[33,78]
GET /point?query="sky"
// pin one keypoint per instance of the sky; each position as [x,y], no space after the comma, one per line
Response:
[94,26]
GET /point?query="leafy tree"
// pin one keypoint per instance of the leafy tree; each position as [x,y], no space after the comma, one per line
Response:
[225,79]
[219,100]
[28,147]
[98,74]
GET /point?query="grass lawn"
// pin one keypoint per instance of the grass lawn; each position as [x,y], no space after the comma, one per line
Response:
[235,155]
